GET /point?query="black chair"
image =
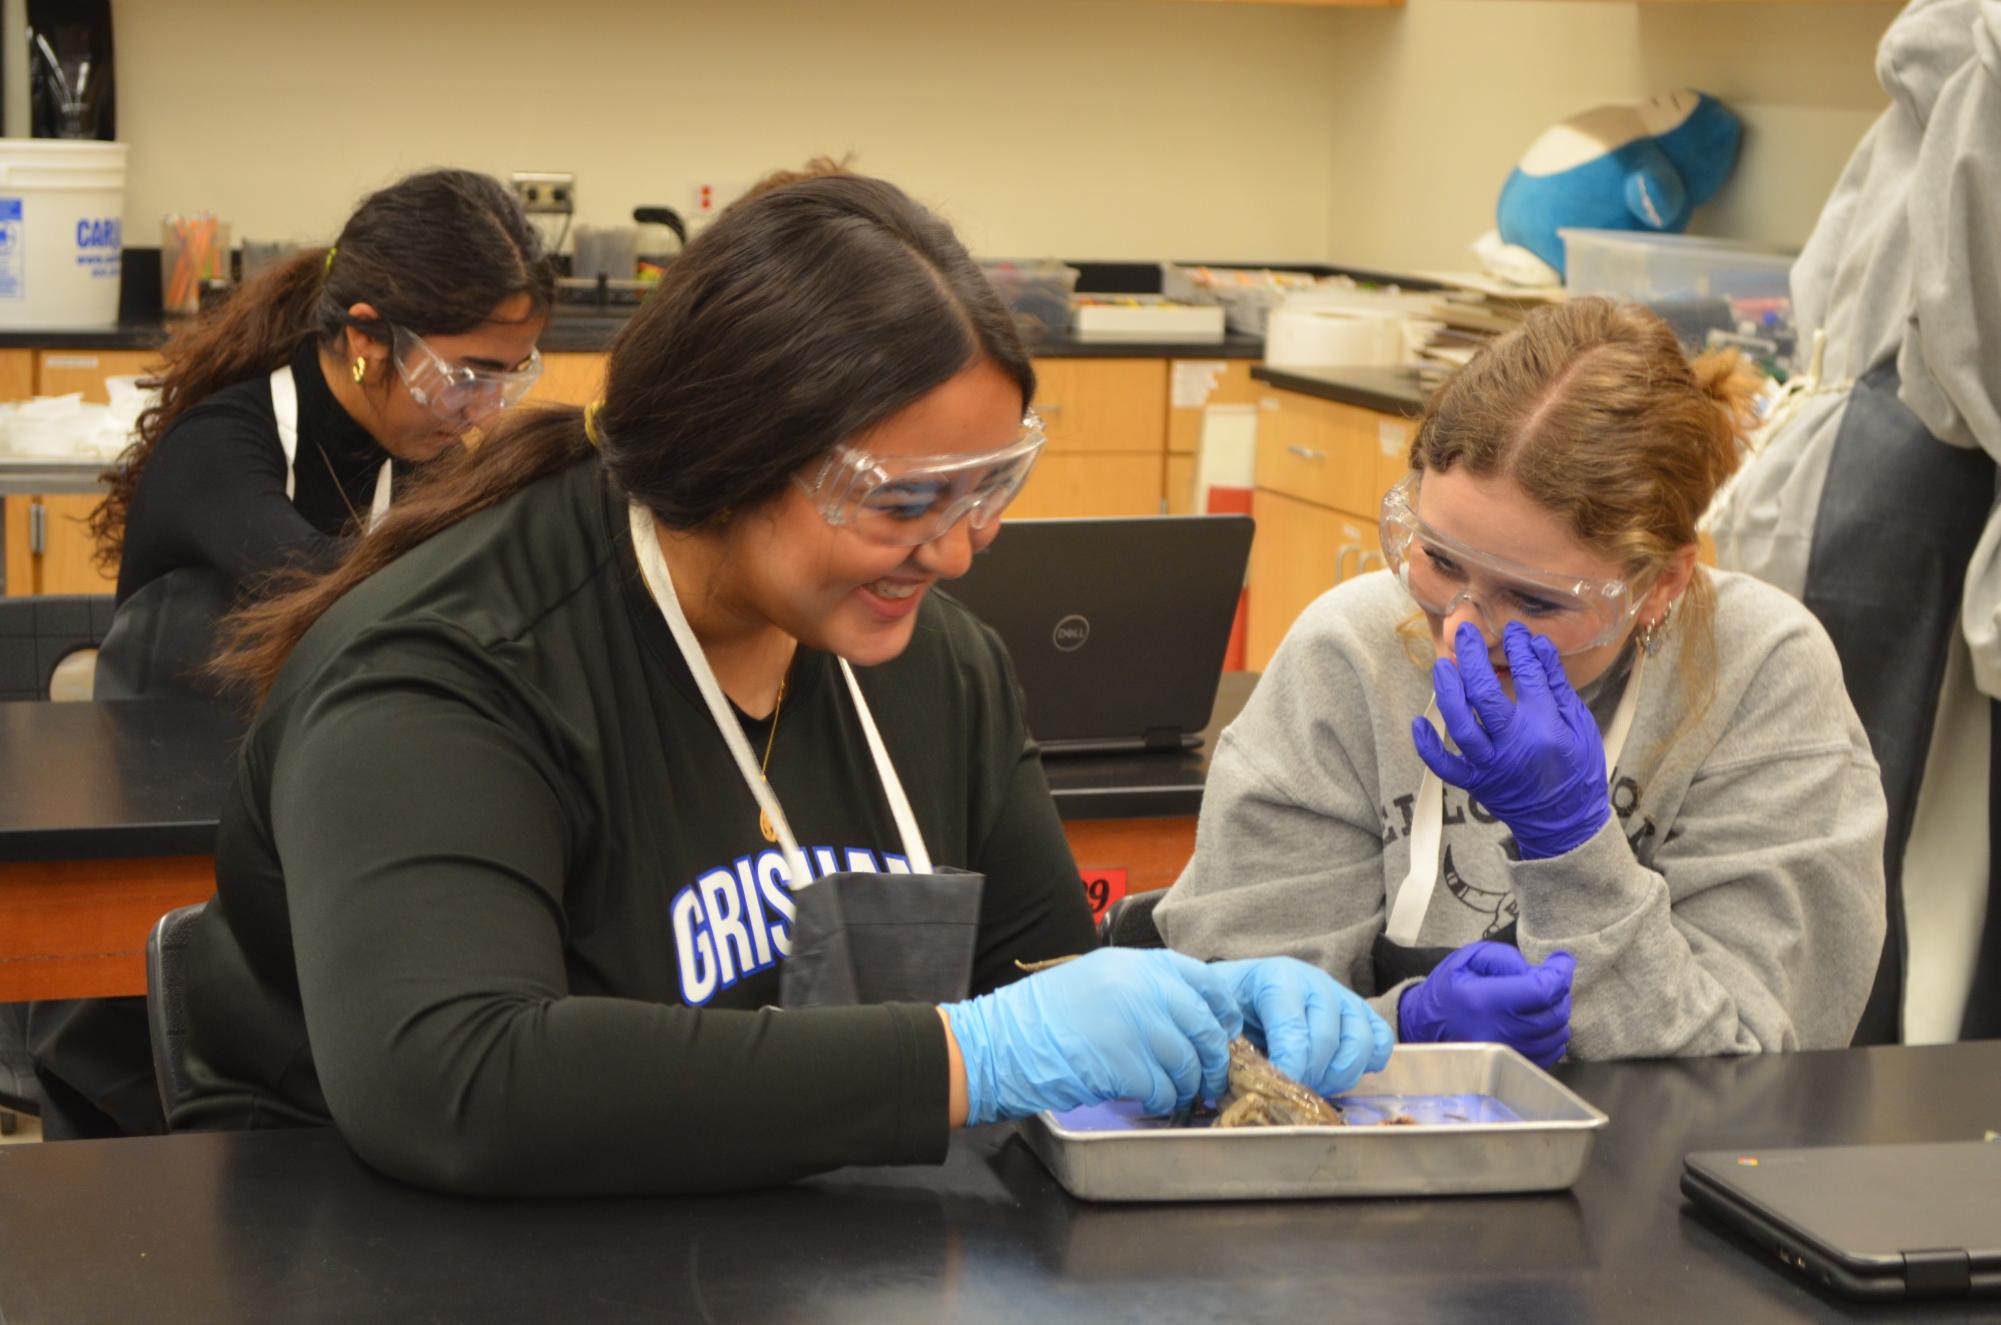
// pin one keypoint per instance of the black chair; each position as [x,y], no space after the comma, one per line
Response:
[1128,922]
[160,644]
[37,633]
[18,1092]
[167,1002]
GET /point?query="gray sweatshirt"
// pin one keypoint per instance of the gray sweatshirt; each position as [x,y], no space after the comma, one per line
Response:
[1733,902]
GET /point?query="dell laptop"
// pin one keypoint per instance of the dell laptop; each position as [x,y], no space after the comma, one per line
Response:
[1874,1222]
[1117,626]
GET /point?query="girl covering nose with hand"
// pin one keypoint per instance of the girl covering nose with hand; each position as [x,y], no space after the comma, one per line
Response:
[1548,781]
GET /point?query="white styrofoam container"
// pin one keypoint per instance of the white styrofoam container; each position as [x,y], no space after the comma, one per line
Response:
[1147,318]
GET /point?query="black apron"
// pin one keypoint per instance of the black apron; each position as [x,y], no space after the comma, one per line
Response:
[1395,963]
[1897,523]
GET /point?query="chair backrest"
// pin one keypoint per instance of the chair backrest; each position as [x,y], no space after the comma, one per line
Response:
[1128,922]
[18,1088]
[37,633]
[167,1002]
[164,636]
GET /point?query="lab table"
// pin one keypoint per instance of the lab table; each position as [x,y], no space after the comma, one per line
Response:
[108,816]
[290,1226]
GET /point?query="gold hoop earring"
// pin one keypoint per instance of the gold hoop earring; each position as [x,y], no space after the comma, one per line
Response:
[360,368]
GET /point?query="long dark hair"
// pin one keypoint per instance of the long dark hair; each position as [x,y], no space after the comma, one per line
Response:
[435,252]
[811,311]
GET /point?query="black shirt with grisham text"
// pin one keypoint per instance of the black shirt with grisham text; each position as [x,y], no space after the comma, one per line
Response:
[492,896]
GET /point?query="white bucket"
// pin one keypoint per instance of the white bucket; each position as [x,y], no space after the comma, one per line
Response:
[62,210]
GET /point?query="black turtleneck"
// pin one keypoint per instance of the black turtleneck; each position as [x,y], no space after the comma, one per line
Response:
[213,492]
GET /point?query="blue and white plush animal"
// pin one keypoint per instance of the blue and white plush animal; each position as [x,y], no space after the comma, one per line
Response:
[1643,167]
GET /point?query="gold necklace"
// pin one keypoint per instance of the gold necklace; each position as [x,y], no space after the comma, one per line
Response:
[334,474]
[764,824]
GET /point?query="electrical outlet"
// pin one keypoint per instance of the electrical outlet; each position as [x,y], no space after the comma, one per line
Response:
[545,192]
[706,198]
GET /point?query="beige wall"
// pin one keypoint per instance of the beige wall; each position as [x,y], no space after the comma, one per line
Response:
[1087,128]
[1114,128]
[1438,101]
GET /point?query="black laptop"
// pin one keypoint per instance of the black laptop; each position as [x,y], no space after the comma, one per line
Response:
[1881,1222]
[1117,626]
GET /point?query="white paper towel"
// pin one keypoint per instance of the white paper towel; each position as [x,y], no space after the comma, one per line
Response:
[1349,337]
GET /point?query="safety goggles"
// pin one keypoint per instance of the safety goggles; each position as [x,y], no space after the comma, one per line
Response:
[902,501]
[1440,573]
[453,392]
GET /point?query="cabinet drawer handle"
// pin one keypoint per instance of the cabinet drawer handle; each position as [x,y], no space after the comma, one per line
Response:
[1050,407]
[1307,453]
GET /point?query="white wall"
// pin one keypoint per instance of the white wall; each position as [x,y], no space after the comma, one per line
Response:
[1438,100]
[1087,128]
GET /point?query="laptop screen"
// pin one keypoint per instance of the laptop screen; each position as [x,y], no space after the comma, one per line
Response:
[1117,626]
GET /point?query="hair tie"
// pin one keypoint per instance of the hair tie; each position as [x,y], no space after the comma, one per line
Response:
[591,423]
[330,252]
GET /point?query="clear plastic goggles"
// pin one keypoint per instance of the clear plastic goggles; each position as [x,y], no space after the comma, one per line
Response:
[1440,573]
[903,501]
[453,392]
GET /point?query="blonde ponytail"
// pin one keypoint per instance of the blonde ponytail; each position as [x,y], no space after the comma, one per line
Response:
[1732,382]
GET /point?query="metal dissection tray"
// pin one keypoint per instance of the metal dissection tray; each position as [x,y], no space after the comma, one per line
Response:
[1109,1153]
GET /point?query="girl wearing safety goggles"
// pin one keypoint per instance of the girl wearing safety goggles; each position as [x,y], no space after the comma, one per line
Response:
[284,419]
[638,723]
[286,414]
[1625,809]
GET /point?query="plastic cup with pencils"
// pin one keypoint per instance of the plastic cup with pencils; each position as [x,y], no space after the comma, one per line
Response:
[193,249]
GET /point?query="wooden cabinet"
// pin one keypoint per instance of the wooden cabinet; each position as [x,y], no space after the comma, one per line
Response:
[49,548]
[17,374]
[569,379]
[1192,386]
[1180,484]
[1322,470]
[1107,426]
[1069,485]
[1123,434]
[59,372]
[1099,406]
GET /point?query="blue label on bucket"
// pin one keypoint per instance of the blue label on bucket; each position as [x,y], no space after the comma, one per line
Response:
[99,246]
[12,286]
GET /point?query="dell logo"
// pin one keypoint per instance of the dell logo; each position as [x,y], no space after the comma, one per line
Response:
[1070,633]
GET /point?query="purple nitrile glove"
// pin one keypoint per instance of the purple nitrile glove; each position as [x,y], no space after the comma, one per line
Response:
[1489,992]
[1538,761]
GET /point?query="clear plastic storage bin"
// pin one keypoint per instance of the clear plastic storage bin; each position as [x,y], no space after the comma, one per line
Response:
[1651,268]
[1037,291]
[1713,293]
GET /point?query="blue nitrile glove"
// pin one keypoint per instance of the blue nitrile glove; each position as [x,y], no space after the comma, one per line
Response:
[1489,992]
[1315,1029]
[1117,1024]
[1537,762]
